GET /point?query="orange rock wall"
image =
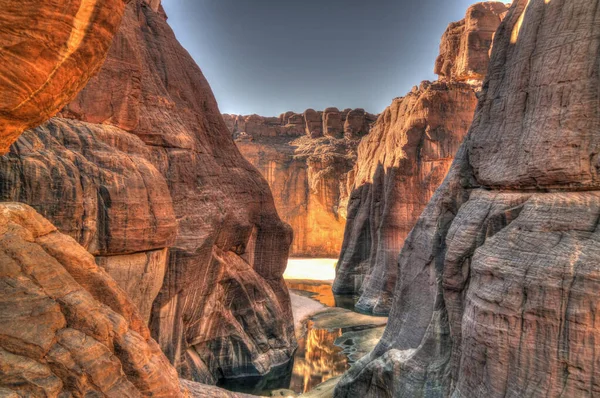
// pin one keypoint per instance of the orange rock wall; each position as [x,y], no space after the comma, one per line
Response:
[306,159]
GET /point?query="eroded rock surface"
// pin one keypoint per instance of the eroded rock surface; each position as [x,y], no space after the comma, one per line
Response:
[65,325]
[498,281]
[465,46]
[405,158]
[48,52]
[141,170]
[306,159]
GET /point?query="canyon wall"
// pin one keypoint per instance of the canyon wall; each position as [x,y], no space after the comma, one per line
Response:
[406,156]
[141,170]
[307,160]
[498,285]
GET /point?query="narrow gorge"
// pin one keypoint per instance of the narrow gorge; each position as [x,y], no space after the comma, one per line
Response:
[154,243]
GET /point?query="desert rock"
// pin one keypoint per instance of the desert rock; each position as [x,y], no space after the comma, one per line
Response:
[66,326]
[405,158]
[141,170]
[48,52]
[309,174]
[497,285]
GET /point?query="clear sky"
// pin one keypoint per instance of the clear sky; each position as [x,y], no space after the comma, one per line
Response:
[271,56]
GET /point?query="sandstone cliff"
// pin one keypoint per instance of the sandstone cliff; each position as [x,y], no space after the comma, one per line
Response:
[405,158]
[141,170]
[48,52]
[306,159]
[498,282]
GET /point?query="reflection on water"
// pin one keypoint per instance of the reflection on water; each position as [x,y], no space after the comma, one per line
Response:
[317,359]
[321,292]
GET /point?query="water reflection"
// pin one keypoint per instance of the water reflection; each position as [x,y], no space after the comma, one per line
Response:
[321,292]
[317,359]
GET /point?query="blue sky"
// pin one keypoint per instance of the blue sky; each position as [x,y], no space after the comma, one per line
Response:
[269,56]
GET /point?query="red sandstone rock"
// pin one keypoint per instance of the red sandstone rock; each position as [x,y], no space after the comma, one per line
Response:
[498,281]
[308,176]
[401,162]
[405,157]
[48,52]
[66,327]
[141,163]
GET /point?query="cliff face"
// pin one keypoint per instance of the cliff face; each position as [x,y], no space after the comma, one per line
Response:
[48,52]
[306,159]
[405,158]
[498,287]
[141,170]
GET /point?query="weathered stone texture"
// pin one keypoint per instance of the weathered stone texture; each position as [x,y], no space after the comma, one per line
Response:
[141,162]
[66,327]
[405,158]
[48,52]
[498,281]
[465,46]
[400,164]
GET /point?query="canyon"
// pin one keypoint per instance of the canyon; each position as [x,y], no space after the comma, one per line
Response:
[307,160]
[497,282]
[144,235]
[406,156]
[143,184]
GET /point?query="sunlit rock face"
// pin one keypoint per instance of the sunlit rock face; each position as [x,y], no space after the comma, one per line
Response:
[498,281]
[465,46]
[307,160]
[67,328]
[402,162]
[48,52]
[141,170]
[319,360]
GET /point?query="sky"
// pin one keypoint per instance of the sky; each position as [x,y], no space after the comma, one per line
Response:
[271,56]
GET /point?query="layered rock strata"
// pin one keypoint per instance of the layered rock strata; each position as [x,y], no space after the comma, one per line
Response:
[48,52]
[306,159]
[405,158]
[141,171]
[498,281]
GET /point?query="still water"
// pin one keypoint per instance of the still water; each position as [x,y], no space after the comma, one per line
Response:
[318,357]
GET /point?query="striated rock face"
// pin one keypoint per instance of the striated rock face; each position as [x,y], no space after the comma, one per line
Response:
[48,52]
[141,170]
[498,281]
[66,327]
[400,165]
[465,46]
[308,172]
[403,160]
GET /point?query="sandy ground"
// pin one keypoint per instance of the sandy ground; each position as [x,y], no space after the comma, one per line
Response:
[302,308]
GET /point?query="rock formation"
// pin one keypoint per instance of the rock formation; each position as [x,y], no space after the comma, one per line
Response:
[65,325]
[498,281]
[405,158]
[141,171]
[48,52]
[465,46]
[306,159]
